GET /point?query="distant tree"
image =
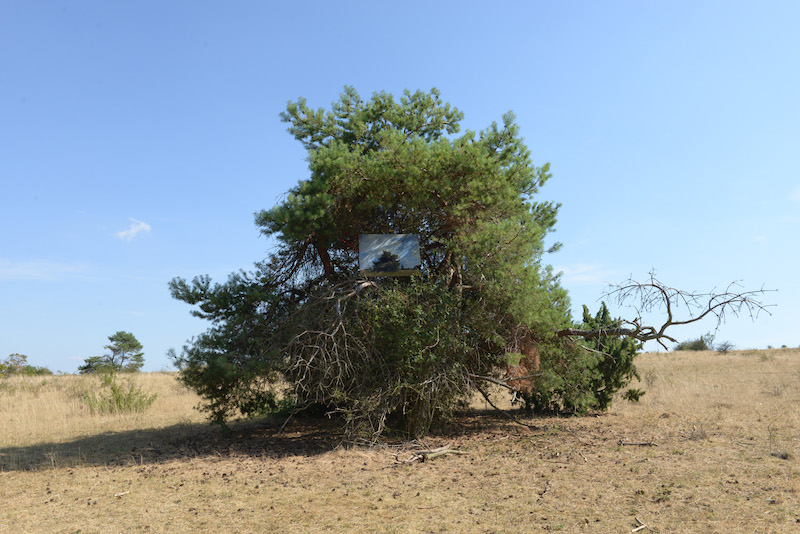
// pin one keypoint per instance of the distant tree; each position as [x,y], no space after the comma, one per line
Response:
[17,364]
[126,356]
[126,352]
[95,364]
[13,365]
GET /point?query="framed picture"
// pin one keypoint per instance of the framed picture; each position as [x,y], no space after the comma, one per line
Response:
[388,254]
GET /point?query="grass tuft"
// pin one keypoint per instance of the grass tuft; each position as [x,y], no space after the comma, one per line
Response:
[116,397]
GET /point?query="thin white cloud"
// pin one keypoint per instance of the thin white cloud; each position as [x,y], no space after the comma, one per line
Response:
[135,228]
[44,270]
[585,274]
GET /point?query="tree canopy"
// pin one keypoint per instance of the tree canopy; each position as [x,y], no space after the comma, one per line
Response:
[389,351]
[400,353]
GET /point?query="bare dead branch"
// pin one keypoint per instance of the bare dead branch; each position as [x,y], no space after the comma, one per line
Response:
[653,296]
[360,286]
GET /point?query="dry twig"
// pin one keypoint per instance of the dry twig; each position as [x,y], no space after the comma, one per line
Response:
[430,454]
[638,443]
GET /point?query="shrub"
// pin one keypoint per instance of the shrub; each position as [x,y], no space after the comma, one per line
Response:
[35,370]
[17,364]
[725,347]
[116,397]
[702,343]
[584,377]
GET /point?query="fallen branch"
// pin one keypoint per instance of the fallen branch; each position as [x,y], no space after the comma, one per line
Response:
[430,454]
[638,444]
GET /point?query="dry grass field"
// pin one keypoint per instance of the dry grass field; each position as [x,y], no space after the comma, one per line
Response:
[712,447]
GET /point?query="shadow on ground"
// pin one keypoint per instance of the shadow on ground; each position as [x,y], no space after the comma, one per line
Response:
[258,438]
[255,438]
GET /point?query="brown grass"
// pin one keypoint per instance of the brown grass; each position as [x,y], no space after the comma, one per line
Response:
[712,447]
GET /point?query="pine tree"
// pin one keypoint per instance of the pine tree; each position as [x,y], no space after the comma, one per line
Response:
[126,352]
[126,356]
[385,353]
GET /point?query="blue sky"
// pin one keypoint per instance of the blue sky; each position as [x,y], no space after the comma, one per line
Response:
[137,139]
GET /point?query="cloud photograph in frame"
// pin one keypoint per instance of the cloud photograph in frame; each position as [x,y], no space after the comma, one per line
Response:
[388,254]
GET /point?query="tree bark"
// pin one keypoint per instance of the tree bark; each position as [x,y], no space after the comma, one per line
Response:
[327,264]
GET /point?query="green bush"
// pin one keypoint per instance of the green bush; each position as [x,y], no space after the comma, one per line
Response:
[35,370]
[702,343]
[633,395]
[582,377]
[17,364]
[115,397]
